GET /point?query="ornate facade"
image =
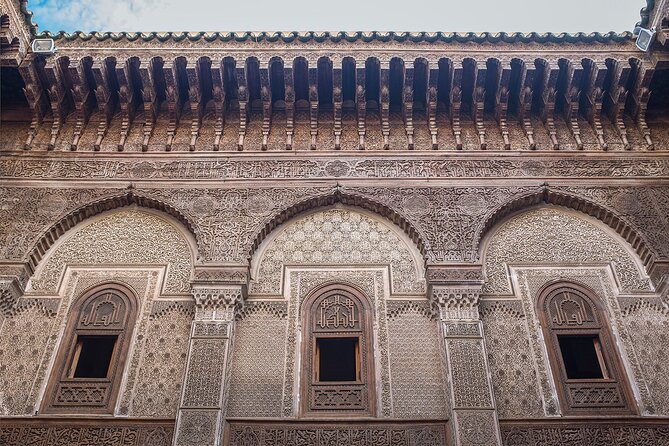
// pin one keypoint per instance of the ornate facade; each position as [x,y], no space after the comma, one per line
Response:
[334,239]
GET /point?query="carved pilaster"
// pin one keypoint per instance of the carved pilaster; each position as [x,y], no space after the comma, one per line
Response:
[200,416]
[455,292]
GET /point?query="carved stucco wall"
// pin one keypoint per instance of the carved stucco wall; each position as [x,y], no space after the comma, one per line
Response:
[551,235]
[23,341]
[162,364]
[258,361]
[648,328]
[512,368]
[338,236]
[125,237]
[416,362]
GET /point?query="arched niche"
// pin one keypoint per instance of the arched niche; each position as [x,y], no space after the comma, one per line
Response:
[338,236]
[129,236]
[552,235]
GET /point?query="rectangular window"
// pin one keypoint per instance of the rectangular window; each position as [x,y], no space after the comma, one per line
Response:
[582,357]
[338,359]
[92,356]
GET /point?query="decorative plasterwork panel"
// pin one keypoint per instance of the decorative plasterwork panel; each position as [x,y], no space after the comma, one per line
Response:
[23,341]
[553,236]
[163,361]
[648,328]
[512,369]
[529,281]
[416,362]
[258,361]
[338,237]
[123,237]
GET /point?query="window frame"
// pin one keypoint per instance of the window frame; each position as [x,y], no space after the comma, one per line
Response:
[364,355]
[608,356]
[64,362]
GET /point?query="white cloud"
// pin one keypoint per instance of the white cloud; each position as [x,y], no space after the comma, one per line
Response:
[413,15]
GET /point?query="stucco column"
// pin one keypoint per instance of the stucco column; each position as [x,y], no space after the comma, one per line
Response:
[200,417]
[474,416]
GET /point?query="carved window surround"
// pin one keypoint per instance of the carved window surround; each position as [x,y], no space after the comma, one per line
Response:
[108,311]
[338,312]
[569,311]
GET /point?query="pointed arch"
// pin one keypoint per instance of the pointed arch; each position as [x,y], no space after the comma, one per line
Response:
[82,213]
[561,198]
[346,198]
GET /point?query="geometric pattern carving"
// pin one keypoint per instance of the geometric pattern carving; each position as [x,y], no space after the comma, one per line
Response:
[352,434]
[469,372]
[206,366]
[552,236]
[514,377]
[162,364]
[197,427]
[258,363]
[23,338]
[416,365]
[122,237]
[648,327]
[337,237]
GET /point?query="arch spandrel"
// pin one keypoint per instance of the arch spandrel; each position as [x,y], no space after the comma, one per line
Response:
[337,236]
[128,236]
[555,236]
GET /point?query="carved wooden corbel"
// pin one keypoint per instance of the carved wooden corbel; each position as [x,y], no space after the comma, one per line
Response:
[640,97]
[478,102]
[525,95]
[361,103]
[337,96]
[289,83]
[243,98]
[617,97]
[83,100]
[432,99]
[502,100]
[266,98]
[57,98]
[218,95]
[384,104]
[549,100]
[127,101]
[594,96]
[149,97]
[571,99]
[456,105]
[407,105]
[37,100]
[313,105]
[195,99]
[174,102]
[106,100]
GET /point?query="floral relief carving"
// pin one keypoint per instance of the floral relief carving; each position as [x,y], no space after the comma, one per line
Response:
[551,236]
[122,237]
[337,237]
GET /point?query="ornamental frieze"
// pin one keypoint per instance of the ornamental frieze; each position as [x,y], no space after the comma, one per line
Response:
[343,167]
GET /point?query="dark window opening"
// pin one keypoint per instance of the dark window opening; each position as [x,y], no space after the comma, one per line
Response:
[337,359]
[92,356]
[582,357]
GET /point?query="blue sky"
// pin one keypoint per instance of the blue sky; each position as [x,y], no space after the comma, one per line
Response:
[336,15]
